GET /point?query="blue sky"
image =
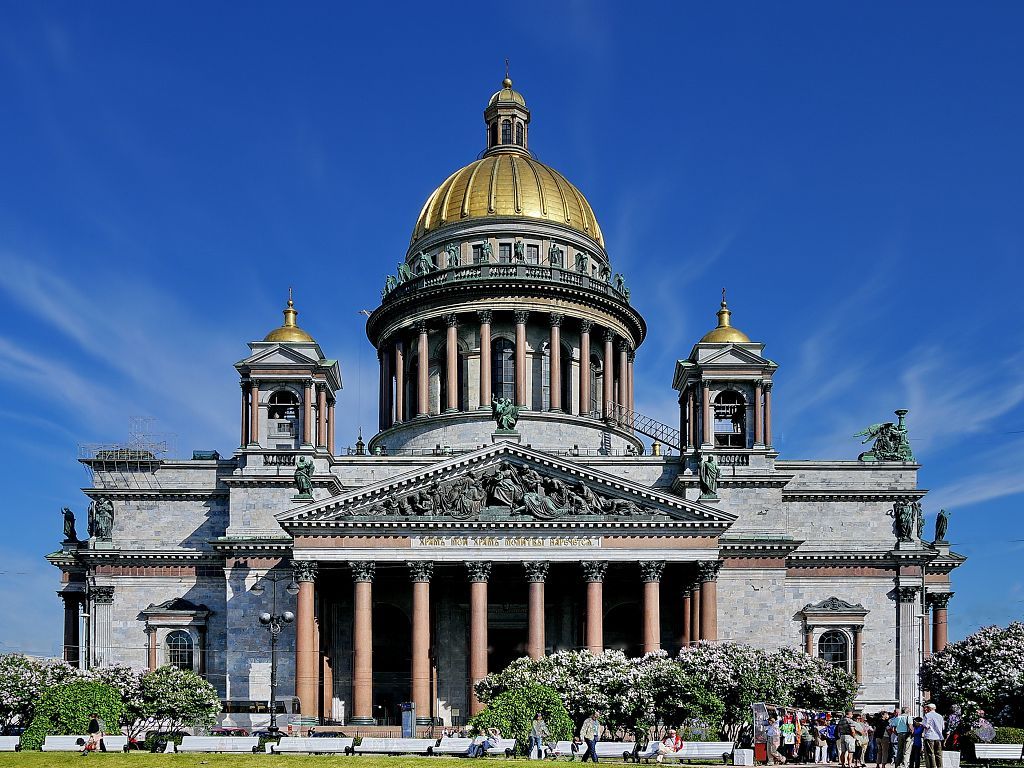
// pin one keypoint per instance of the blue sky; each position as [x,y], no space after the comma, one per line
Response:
[853,172]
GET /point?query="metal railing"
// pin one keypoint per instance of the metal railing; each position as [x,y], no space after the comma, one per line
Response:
[519,271]
[645,425]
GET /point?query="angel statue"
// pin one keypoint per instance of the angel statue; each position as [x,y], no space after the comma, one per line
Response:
[891,441]
[505,413]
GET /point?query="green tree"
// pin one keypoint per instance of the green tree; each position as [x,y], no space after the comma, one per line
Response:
[178,698]
[24,680]
[512,712]
[64,710]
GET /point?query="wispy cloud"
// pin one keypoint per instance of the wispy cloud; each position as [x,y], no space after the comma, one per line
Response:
[32,614]
[997,474]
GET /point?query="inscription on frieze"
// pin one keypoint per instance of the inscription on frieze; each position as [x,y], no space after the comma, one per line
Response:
[506,542]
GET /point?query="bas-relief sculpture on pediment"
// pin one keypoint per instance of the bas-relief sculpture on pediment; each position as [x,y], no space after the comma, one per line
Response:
[508,490]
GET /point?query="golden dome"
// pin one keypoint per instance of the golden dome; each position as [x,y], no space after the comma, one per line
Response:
[724,333]
[506,95]
[289,331]
[508,184]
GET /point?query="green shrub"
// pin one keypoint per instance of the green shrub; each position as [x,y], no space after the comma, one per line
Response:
[1006,735]
[65,709]
[513,711]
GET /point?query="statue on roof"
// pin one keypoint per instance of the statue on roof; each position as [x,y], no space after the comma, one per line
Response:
[708,476]
[423,264]
[891,441]
[555,256]
[518,250]
[902,514]
[304,477]
[389,285]
[405,273]
[69,525]
[101,519]
[454,255]
[581,262]
[505,413]
[941,524]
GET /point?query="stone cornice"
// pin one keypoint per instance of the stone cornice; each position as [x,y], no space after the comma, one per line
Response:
[333,485]
[162,493]
[772,480]
[846,464]
[851,494]
[251,545]
[618,528]
[115,556]
[756,547]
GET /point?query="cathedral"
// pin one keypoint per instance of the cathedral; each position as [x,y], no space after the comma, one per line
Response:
[512,501]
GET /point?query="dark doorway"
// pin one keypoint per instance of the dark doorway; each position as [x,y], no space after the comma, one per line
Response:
[623,626]
[392,663]
[506,634]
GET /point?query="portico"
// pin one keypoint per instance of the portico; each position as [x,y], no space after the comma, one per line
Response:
[524,580]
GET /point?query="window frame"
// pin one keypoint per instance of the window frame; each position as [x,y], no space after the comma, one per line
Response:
[171,650]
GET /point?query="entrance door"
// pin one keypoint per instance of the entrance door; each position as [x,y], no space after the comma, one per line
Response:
[392,663]
[506,634]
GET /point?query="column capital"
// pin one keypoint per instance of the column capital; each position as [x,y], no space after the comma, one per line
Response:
[939,600]
[363,570]
[651,570]
[708,570]
[521,315]
[623,345]
[705,384]
[594,570]
[478,570]
[304,570]
[485,315]
[766,384]
[420,326]
[536,570]
[420,570]
[103,595]
[451,320]
[245,384]
[630,353]
[71,599]
[907,594]
[609,335]
[585,326]
[556,319]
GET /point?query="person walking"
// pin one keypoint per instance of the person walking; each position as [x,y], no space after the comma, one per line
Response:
[773,735]
[899,725]
[934,726]
[539,735]
[820,742]
[916,737]
[882,740]
[590,732]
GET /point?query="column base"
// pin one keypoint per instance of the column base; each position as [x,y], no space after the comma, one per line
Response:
[362,721]
[423,721]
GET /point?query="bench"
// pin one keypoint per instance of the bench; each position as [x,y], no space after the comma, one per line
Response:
[325,745]
[10,743]
[375,746]
[219,744]
[612,750]
[998,751]
[692,750]
[70,743]
[453,746]
[567,749]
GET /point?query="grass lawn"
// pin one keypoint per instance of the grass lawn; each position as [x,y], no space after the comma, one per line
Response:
[146,759]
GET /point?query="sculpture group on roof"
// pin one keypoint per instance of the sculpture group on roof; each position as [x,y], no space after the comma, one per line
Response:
[891,441]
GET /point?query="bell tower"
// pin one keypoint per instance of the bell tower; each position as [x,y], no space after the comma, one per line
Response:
[289,391]
[725,398]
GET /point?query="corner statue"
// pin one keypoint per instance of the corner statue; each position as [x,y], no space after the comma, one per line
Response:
[69,525]
[941,524]
[304,477]
[891,441]
[101,519]
[709,472]
[904,517]
[505,413]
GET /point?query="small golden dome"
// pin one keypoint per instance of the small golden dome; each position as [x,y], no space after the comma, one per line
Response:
[507,95]
[724,333]
[289,331]
[508,184]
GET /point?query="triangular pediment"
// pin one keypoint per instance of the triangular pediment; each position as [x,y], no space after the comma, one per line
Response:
[506,483]
[732,354]
[277,354]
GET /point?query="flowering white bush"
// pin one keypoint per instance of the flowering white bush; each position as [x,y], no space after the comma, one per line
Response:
[983,671]
[23,680]
[708,688]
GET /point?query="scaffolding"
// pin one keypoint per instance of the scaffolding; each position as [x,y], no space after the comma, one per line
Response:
[137,458]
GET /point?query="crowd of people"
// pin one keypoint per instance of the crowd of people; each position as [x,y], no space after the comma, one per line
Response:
[854,739]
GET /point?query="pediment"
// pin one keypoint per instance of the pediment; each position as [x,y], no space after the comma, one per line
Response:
[732,354]
[277,354]
[506,483]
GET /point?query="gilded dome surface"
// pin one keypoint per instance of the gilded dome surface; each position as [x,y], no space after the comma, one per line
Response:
[289,331]
[508,184]
[725,332]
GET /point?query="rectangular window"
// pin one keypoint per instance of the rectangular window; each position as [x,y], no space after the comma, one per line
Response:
[478,254]
[533,254]
[504,253]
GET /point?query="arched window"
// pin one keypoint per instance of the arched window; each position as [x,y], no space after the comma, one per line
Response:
[596,385]
[506,131]
[730,420]
[834,647]
[284,405]
[180,651]
[519,134]
[494,133]
[503,368]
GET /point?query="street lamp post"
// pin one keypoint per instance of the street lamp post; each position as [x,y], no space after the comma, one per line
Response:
[274,622]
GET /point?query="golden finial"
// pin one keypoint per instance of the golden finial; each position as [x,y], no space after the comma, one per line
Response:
[290,313]
[724,314]
[290,302]
[507,82]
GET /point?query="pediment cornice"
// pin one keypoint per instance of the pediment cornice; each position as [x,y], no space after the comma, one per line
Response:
[506,485]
